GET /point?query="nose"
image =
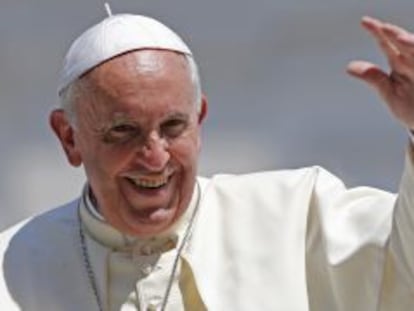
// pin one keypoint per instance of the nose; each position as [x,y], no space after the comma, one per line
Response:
[154,154]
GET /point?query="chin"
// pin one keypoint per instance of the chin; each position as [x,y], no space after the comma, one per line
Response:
[153,223]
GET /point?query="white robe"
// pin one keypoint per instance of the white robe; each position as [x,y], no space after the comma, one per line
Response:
[287,240]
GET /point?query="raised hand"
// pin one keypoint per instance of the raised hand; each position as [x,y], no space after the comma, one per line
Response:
[396,87]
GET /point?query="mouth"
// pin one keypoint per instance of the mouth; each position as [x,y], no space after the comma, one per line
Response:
[150,181]
[149,196]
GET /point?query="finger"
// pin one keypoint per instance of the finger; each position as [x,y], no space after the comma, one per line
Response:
[374,27]
[407,39]
[400,38]
[395,90]
[398,61]
[373,75]
[402,63]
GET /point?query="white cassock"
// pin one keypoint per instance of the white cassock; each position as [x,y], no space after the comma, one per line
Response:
[292,240]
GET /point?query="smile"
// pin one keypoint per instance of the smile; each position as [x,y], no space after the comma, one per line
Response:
[155,181]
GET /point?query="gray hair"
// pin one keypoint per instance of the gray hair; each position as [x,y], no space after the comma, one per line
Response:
[70,94]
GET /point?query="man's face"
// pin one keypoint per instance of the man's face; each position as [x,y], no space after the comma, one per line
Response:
[138,136]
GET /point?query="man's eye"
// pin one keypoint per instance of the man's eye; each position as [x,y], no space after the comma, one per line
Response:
[173,128]
[123,128]
[121,133]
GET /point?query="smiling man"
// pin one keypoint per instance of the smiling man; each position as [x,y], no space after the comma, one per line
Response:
[137,133]
[148,234]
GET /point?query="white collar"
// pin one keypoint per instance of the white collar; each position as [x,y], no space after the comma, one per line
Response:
[105,234]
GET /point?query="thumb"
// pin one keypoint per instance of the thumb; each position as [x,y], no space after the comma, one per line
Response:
[372,75]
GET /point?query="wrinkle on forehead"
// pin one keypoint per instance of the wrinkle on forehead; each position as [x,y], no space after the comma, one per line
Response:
[122,76]
[137,64]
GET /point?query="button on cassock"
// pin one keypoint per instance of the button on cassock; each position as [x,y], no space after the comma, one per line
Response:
[146,270]
[154,304]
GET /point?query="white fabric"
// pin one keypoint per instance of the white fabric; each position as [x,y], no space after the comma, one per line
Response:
[133,272]
[113,36]
[89,206]
[411,136]
[286,240]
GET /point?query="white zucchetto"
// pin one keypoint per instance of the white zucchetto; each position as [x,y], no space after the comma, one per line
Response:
[114,36]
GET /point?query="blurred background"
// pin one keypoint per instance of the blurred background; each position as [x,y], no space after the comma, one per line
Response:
[274,73]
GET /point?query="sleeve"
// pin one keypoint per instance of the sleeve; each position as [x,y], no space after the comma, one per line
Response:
[359,250]
[397,292]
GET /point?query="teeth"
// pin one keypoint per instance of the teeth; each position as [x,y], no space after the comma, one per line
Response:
[150,182]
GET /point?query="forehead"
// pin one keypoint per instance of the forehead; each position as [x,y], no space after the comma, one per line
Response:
[142,67]
[141,64]
[138,80]
[138,74]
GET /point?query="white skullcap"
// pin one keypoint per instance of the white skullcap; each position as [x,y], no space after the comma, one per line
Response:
[113,36]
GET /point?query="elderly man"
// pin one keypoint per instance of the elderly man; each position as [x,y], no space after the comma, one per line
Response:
[148,234]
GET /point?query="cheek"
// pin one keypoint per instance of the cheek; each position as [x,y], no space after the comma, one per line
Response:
[104,164]
[185,152]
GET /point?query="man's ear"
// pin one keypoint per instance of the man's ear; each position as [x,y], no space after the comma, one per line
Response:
[65,133]
[202,114]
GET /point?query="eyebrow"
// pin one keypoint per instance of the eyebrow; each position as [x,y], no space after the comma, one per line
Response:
[178,115]
[121,119]
[117,120]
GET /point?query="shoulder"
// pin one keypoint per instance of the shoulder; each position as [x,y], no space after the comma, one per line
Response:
[35,232]
[42,223]
[270,194]
[262,181]
[34,248]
